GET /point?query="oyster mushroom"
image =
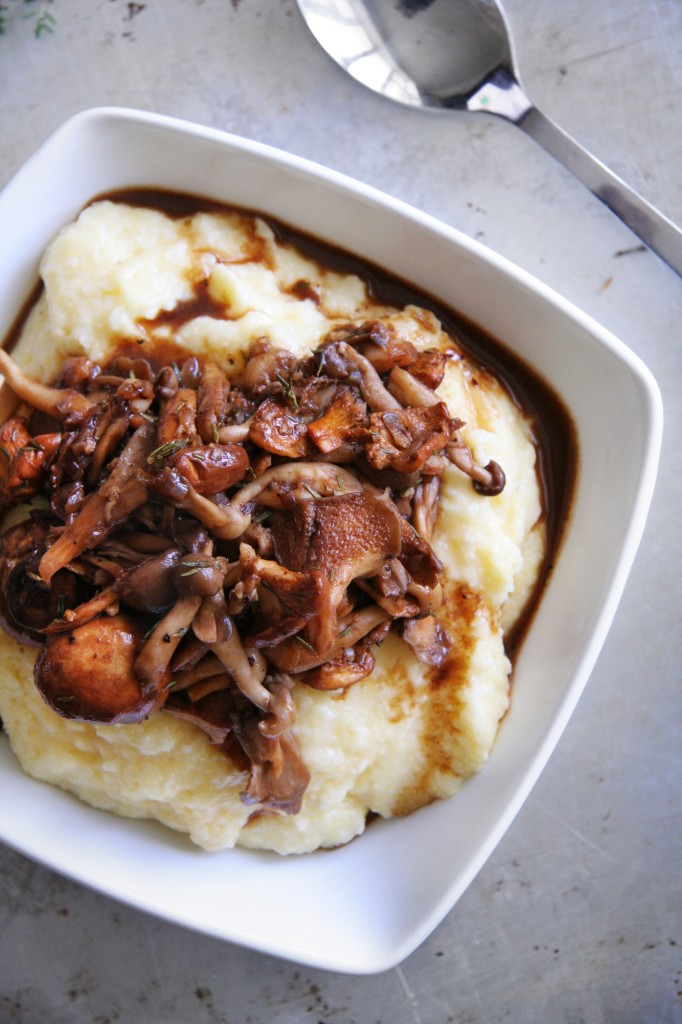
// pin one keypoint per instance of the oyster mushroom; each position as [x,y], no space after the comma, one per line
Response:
[345,536]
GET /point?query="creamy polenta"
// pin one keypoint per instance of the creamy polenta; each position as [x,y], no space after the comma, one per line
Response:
[213,283]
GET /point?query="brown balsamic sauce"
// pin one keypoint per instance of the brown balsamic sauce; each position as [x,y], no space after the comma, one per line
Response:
[12,336]
[553,429]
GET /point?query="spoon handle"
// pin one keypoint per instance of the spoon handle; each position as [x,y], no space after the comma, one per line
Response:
[648,223]
[502,95]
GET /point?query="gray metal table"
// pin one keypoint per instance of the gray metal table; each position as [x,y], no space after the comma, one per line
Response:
[577,915]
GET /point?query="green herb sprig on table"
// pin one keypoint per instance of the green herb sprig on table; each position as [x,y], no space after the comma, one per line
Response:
[33,10]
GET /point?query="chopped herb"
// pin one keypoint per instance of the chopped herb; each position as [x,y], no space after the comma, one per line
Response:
[168,685]
[216,435]
[44,21]
[344,632]
[311,491]
[251,470]
[169,448]
[288,389]
[305,643]
[151,630]
[65,700]
[180,632]
[195,568]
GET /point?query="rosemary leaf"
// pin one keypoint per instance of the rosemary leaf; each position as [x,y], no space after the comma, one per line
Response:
[169,448]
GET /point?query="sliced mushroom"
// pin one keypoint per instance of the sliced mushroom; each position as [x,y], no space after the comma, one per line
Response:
[211,401]
[105,508]
[429,367]
[488,480]
[27,605]
[305,480]
[177,422]
[266,365]
[426,506]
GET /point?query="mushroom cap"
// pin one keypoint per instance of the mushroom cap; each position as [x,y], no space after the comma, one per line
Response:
[88,674]
[347,535]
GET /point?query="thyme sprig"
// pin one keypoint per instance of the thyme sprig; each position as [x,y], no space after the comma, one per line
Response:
[203,564]
[35,11]
[288,389]
[169,448]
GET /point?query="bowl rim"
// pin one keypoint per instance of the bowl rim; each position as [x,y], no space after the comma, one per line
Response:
[389,948]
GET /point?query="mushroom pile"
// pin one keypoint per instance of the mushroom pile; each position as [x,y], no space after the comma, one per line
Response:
[198,545]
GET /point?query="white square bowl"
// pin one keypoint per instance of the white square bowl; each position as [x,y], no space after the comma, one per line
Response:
[364,907]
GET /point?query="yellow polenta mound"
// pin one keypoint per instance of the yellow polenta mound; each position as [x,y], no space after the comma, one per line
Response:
[392,742]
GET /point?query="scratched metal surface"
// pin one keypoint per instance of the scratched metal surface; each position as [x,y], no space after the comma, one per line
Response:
[577,915]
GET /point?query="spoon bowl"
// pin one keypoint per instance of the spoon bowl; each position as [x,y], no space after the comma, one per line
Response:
[458,55]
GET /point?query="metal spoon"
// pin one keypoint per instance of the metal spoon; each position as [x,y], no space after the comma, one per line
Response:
[457,55]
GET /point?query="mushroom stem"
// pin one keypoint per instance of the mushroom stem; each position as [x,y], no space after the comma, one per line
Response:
[53,401]
[319,476]
[247,670]
[296,655]
[154,658]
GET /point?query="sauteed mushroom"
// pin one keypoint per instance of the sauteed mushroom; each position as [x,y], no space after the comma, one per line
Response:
[212,544]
